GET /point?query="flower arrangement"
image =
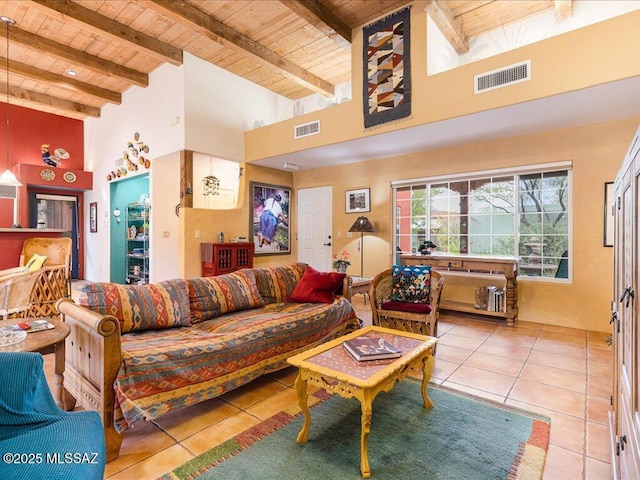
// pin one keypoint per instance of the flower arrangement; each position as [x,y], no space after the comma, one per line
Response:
[341,262]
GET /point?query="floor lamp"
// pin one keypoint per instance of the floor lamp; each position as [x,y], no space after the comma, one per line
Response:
[362,224]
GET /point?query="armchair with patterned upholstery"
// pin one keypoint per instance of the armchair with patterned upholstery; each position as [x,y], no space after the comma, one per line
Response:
[410,303]
[37,439]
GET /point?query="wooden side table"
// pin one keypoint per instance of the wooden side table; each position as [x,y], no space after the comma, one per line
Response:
[359,285]
[505,268]
[45,341]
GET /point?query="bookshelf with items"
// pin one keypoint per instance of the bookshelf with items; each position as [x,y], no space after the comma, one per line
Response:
[137,232]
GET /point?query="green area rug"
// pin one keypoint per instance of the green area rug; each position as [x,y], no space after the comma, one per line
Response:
[462,437]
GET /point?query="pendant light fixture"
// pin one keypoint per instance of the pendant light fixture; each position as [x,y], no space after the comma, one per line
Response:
[8,178]
[210,183]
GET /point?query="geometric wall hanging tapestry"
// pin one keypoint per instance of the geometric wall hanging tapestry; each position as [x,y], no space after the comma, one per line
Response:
[387,69]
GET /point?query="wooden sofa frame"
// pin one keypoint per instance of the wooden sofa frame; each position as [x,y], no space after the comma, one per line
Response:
[93,358]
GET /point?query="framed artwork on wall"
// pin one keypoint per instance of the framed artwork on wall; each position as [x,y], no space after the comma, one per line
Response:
[608,214]
[357,201]
[93,217]
[269,222]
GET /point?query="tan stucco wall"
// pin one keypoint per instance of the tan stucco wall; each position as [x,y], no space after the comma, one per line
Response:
[593,55]
[234,222]
[590,56]
[596,152]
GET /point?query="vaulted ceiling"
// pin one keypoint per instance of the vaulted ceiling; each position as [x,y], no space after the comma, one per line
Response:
[292,47]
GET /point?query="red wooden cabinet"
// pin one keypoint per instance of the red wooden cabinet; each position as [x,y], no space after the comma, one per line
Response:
[219,258]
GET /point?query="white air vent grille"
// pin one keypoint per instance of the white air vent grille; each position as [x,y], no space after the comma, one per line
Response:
[502,77]
[306,129]
[8,191]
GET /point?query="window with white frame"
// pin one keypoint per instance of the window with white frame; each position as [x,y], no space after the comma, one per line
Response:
[522,213]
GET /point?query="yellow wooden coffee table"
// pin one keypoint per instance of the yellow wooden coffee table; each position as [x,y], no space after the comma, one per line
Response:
[332,368]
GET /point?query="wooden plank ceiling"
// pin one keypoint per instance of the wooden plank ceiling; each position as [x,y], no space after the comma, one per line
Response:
[292,47]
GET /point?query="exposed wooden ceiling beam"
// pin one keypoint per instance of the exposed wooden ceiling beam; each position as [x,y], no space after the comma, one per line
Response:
[79,15]
[61,81]
[564,10]
[195,19]
[442,16]
[78,57]
[320,17]
[49,101]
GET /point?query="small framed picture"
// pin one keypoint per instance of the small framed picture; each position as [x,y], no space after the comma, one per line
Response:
[93,217]
[357,201]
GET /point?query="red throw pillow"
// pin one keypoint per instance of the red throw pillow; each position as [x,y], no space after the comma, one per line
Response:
[316,287]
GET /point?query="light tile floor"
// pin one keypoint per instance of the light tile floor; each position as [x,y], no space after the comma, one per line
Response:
[563,373]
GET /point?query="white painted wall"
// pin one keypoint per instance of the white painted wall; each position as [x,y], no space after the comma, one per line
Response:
[196,106]
[165,196]
[227,172]
[149,111]
[220,107]
[441,57]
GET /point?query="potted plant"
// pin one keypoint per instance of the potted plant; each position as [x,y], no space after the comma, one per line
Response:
[340,263]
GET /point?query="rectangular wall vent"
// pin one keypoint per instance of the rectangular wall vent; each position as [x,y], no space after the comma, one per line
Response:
[306,129]
[503,77]
[8,191]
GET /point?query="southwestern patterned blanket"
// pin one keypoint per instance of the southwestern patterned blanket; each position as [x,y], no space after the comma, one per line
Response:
[186,341]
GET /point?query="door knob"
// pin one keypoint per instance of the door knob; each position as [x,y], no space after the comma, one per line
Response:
[327,244]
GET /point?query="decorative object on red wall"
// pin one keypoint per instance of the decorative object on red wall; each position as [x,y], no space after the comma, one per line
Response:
[69,177]
[54,160]
[48,175]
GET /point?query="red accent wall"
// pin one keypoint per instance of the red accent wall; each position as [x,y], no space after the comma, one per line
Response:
[28,130]
[11,245]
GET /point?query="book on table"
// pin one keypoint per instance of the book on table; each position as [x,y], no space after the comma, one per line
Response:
[370,348]
[29,326]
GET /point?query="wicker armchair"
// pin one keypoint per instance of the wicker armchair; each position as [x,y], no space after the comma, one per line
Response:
[16,287]
[46,286]
[57,250]
[422,323]
[54,282]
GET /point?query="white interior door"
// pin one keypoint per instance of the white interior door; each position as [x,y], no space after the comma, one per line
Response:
[314,227]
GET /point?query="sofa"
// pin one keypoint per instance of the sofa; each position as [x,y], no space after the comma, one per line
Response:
[138,352]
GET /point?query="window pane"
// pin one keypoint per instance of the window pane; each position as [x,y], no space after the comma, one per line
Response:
[521,215]
[480,224]
[480,244]
[503,245]
[501,224]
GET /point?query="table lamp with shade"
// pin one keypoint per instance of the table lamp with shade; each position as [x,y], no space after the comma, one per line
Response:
[362,225]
